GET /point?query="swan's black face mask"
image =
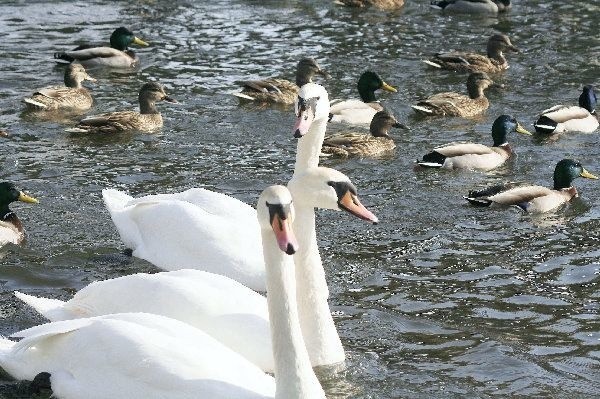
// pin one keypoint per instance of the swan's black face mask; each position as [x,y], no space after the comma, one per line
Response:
[305,112]
[349,202]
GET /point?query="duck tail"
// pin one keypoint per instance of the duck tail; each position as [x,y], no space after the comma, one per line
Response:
[482,202]
[52,309]
[422,110]
[545,125]
[34,104]
[244,96]
[61,55]
[440,5]
[432,160]
[431,63]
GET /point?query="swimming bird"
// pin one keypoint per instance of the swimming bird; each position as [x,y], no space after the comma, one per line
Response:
[117,55]
[493,62]
[11,227]
[147,120]
[473,156]
[360,144]
[565,118]
[381,4]
[71,96]
[360,112]
[141,355]
[456,104]
[535,199]
[492,7]
[282,91]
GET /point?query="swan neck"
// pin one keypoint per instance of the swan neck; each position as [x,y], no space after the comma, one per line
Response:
[309,146]
[294,376]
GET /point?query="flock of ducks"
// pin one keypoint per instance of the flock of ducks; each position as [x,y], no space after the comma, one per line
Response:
[200,328]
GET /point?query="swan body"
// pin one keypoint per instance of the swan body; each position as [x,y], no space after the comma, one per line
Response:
[70,96]
[151,356]
[535,199]
[472,156]
[11,227]
[564,118]
[491,7]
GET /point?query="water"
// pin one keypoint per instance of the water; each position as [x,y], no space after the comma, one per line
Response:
[440,300]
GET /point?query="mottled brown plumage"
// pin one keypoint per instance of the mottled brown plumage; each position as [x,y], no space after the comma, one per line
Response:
[381,4]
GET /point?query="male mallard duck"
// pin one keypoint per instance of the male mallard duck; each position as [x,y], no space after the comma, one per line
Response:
[472,6]
[280,90]
[565,118]
[476,156]
[535,199]
[11,228]
[360,144]
[456,104]
[72,95]
[360,112]
[147,120]
[494,62]
[116,56]
[381,4]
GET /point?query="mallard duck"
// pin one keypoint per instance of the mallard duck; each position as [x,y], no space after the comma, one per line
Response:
[116,56]
[4,133]
[360,112]
[535,199]
[147,120]
[456,104]
[280,91]
[494,62]
[382,4]
[476,156]
[11,228]
[473,6]
[359,144]
[565,118]
[70,96]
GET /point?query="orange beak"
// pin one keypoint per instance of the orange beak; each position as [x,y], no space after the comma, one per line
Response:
[285,236]
[351,204]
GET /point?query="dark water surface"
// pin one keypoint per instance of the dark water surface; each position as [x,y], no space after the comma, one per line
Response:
[440,300]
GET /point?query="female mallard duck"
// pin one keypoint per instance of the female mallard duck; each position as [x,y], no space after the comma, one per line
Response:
[473,156]
[358,144]
[280,91]
[535,199]
[11,228]
[494,62]
[456,104]
[70,96]
[147,120]
[116,56]
[565,118]
[381,4]
[360,112]
[472,6]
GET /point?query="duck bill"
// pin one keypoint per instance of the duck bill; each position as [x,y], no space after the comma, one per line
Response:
[522,130]
[400,126]
[352,205]
[304,121]
[588,175]
[513,49]
[324,74]
[26,198]
[286,240]
[170,100]
[88,77]
[139,42]
[387,87]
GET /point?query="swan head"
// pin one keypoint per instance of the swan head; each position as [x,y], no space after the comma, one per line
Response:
[275,212]
[327,188]
[312,104]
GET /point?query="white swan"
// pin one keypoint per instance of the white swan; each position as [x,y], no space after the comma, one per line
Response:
[148,356]
[238,319]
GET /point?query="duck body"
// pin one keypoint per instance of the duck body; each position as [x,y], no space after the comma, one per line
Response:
[11,227]
[472,156]
[534,199]
[493,62]
[148,119]
[360,112]
[280,91]
[491,7]
[456,104]
[381,4]
[115,56]
[563,118]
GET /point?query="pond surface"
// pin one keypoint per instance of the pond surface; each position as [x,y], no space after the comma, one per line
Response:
[439,300]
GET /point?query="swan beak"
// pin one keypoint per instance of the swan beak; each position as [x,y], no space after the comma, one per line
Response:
[26,198]
[170,100]
[521,129]
[284,234]
[387,87]
[350,203]
[588,175]
[139,42]
[305,118]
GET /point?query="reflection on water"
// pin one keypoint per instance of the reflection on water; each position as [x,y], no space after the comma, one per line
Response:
[440,299]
